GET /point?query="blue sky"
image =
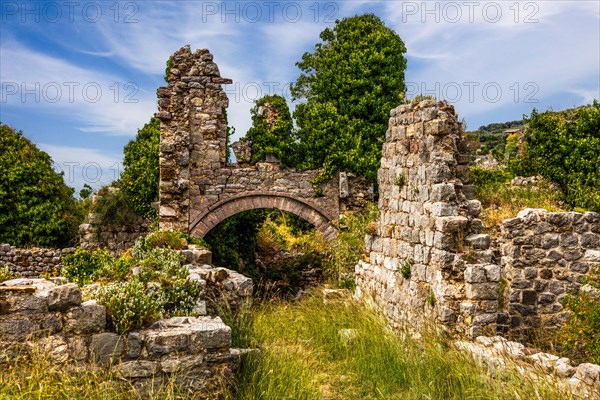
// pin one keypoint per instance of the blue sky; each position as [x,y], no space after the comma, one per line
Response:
[80,77]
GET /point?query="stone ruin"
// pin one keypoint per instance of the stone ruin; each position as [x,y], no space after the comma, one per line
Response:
[429,260]
[199,188]
[50,316]
[430,263]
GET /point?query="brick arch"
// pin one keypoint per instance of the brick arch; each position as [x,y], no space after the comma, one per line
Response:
[251,201]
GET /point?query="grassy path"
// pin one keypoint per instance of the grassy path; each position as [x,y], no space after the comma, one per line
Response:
[339,349]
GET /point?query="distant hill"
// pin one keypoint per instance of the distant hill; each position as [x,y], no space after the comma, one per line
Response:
[492,137]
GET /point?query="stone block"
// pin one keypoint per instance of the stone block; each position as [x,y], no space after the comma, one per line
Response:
[86,319]
[209,333]
[106,347]
[482,291]
[441,209]
[475,274]
[161,342]
[64,297]
[137,369]
[479,241]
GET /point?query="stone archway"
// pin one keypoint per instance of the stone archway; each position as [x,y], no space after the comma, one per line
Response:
[199,187]
[256,200]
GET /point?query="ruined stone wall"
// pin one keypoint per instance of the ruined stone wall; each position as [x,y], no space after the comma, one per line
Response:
[199,188]
[96,234]
[31,263]
[427,258]
[51,315]
[192,114]
[545,255]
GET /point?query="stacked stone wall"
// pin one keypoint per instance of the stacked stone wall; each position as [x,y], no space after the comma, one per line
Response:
[545,256]
[199,188]
[428,259]
[32,263]
[51,316]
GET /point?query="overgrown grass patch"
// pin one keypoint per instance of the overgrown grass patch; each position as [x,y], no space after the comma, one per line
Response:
[500,201]
[318,348]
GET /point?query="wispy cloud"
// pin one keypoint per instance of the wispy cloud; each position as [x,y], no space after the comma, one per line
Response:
[96,101]
[84,165]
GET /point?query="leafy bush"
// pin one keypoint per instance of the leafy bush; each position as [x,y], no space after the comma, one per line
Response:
[82,266]
[139,180]
[6,274]
[564,147]
[271,134]
[581,334]
[179,296]
[113,209]
[129,305]
[166,238]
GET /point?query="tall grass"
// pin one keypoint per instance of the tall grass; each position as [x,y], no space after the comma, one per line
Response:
[324,349]
[36,375]
[500,201]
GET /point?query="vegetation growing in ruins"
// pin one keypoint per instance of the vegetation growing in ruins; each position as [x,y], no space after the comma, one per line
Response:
[580,337]
[37,208]
[501,201]
[336,348]
[158,288]
[271,134]
[564,147]
[349,84]
[139,179]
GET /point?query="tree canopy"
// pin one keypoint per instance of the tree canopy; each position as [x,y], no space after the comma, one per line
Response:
[140,177]
[565,148]
[348,84]
[36,206]
[271,131]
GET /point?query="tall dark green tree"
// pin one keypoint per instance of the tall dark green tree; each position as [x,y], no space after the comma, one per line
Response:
[36,206]
[348,84]
[271,131]
[140,176]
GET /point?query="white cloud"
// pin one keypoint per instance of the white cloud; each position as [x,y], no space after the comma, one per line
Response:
[83,165]
[95,101]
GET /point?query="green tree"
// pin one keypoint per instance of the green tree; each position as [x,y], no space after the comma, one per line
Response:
[271,131]
[140,176]
[565,148]
[349,84]
[36,206]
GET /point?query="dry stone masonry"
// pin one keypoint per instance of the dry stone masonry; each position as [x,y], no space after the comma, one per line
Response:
[116,239]
[32,263]
[50,314]
[199,188]
[545,256]
[428,258]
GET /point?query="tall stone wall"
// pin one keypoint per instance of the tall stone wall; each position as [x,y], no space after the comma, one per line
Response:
[544,257]
[427,258]
[192,114]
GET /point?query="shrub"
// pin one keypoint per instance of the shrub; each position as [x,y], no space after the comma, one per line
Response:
[166,238]
[129,305]
[564,147]
[345,250]
[113,209]
[6,274]
[81,266]
[179,296]
[581,334]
